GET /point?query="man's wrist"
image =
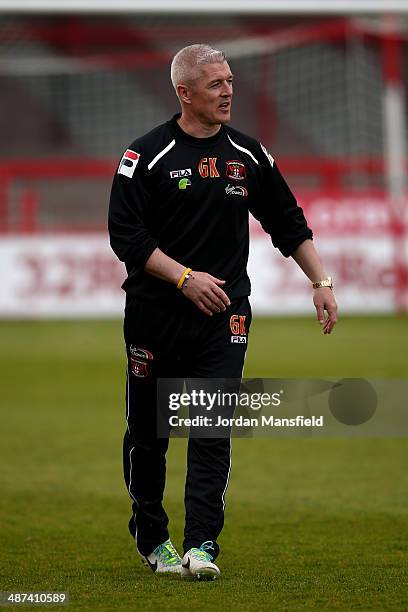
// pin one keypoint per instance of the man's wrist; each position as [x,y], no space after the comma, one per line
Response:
[186,279]
[324,282]
[185,276]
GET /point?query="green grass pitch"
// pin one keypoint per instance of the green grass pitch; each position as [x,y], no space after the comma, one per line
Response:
[311,524]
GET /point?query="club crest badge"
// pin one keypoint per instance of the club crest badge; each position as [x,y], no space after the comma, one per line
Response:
[140,361]
[236,170]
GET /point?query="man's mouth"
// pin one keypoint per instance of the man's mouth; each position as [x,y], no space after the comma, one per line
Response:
[225,105]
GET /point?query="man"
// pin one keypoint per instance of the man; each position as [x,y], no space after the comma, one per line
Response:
[178,218]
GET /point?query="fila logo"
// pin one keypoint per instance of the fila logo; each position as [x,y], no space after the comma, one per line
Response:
[128,163]
[207,167]
[180,173]
[238,339]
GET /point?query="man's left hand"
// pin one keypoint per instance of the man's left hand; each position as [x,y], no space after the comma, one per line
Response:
[324,300]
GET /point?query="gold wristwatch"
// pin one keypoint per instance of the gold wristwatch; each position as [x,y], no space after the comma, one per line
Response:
[326,282]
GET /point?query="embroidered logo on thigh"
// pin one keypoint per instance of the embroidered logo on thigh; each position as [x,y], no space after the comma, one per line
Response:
[140,361]
[237,327]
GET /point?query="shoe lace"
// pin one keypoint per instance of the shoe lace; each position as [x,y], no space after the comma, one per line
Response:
[167,553]
[202,553]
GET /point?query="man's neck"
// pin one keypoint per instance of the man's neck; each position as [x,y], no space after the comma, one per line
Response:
[194,127]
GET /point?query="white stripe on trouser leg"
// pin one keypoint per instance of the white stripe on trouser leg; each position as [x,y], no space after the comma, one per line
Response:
[230,459]
[127,399]
[130,474]
[228,477]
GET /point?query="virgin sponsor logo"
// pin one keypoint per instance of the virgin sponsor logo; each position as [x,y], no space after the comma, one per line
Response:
[235,170]
[236,190]
[180,173]
[140,361]
[128,163]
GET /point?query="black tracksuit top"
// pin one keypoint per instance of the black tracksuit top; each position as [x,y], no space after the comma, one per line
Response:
[190,197]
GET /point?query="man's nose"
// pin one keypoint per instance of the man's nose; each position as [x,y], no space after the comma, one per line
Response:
[227,89]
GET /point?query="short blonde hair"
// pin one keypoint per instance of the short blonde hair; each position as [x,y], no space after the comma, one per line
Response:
[184,65]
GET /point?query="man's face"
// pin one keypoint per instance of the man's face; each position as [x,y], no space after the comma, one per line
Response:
[211,94]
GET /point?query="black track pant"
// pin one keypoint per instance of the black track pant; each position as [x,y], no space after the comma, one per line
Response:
[177,342]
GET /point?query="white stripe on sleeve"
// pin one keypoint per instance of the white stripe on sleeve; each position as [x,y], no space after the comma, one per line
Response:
[160,155]
[237,146]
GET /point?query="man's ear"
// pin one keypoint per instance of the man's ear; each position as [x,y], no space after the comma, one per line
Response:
[184,93]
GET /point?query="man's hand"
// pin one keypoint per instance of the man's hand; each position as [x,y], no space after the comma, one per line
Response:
[324,300]
[201,288]
[205,292]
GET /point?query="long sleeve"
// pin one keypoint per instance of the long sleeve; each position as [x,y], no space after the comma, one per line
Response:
[276,208]
[129,213]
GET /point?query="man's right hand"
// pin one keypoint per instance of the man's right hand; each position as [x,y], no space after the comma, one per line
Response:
[201,288]
[205,292]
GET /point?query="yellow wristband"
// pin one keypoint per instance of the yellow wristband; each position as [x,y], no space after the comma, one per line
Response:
[182,277]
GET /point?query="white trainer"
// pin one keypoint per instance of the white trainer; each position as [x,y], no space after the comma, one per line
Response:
[164,559]
[198,563]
